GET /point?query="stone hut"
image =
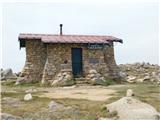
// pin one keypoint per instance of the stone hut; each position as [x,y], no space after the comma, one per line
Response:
[66,59]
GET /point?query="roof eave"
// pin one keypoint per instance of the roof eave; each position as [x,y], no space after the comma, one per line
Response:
[116,40]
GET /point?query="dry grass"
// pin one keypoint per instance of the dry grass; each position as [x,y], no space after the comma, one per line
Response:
[87,110]
[83,109]
[149,93]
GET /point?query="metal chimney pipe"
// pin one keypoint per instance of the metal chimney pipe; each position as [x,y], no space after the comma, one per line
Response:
[61,29]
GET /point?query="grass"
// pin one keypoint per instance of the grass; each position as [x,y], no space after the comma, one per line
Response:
[11,83]
[109,82]
[27,106]
[8,83]
[148,93]
[85,109]
[88,110]
[14,95]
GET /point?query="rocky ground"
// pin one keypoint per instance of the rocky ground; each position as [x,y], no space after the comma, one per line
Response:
[8,74]
[25,102]
[35,102]
[140,72]
[131,73]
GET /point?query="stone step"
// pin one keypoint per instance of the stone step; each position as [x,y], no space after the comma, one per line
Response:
[81,82]
[80,79]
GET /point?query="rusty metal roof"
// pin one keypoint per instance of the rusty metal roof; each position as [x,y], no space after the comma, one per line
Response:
[50,38]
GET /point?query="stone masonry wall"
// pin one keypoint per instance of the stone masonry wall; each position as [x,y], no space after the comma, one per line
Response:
[52,63]
[113,70]
[55,58]
[35,61]
[105,69]
[97,64]
[58,62]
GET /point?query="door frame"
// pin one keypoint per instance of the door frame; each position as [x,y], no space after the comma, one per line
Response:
[81,74]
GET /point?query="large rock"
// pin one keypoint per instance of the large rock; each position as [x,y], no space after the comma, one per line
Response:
[28,97]
[129,108]
[7,74]
[6,116]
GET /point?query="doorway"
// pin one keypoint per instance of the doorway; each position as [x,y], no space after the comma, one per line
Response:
[77,62]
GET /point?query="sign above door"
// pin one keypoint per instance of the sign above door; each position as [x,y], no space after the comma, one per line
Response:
[95,46]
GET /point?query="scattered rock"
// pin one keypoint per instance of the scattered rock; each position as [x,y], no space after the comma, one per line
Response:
[28,97]
[55,106]
[6,116]
[146,78]
[18,74]
[54,111]
[15,102]
[129,93]
[140,80]
[122,74]
[141,72]
[17,83]
[131,79]
[31,90]
[7,74]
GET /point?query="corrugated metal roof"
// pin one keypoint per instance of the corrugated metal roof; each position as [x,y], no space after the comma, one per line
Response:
[50,38]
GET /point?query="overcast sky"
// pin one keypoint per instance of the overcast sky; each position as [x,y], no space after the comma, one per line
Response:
[135,23]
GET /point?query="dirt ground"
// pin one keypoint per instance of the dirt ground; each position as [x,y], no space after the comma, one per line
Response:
[96,93]
[85,102]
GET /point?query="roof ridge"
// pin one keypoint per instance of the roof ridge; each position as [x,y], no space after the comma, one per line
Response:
[85,35]
[55,38]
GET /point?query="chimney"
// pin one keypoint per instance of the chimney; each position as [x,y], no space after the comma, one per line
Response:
[61,28]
